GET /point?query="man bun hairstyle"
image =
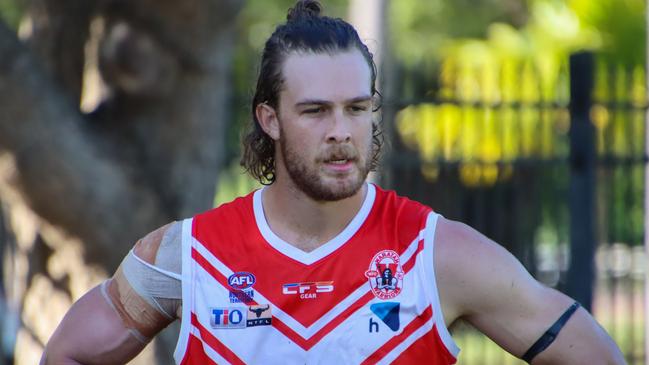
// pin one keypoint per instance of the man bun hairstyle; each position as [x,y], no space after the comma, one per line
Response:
[307,8]
[305,30]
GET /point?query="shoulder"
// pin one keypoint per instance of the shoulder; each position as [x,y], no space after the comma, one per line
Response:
[150,275]
[167,237]
[474,272]
[456,243]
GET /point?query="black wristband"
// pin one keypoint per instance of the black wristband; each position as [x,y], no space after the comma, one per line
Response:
[550,335]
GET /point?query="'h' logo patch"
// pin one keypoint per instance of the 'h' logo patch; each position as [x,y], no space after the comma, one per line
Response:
[388,312]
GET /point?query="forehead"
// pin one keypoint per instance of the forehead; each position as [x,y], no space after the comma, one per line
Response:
[322,76]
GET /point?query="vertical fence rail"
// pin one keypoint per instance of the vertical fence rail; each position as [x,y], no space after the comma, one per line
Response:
[582,182]
[646,209]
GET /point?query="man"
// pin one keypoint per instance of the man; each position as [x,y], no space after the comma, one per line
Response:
[320,266]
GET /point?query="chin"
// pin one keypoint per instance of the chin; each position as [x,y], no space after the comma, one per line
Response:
[338,190]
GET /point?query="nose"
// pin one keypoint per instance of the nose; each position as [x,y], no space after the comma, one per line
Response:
[339,129]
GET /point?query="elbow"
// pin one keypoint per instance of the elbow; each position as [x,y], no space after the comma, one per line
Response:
[51,357]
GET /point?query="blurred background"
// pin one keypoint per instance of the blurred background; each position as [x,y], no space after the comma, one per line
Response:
[523,118]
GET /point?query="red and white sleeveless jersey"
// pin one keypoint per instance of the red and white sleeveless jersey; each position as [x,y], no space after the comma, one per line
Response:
[367,296]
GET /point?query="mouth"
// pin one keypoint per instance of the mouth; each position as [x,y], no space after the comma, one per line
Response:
[339,165]
[341,161]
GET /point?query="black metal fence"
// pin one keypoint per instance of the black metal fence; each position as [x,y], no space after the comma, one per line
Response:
[555,174]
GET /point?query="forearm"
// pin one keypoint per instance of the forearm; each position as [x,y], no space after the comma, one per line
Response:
[50,359]
[118,351]
[581,341]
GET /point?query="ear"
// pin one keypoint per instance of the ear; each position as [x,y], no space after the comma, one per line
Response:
[267,117]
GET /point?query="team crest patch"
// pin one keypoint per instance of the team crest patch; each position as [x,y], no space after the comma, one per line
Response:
[385,275]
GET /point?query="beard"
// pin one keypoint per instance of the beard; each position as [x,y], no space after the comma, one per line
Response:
[308,178]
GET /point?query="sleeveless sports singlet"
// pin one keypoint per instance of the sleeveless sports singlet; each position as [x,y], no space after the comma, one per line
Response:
[367,296]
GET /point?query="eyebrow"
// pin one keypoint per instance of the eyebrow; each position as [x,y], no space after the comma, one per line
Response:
[357,99]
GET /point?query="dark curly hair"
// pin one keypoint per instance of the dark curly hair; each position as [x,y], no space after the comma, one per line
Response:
[305,30]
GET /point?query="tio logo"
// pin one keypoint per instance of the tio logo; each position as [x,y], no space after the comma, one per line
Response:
[308,290]
[230,317]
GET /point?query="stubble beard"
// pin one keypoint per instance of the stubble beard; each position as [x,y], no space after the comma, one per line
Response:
[308,179]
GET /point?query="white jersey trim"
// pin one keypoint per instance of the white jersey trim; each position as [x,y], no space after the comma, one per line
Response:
[309,258]
[209,351]
[401,348]
[187,282]
[155,268]
[438,316]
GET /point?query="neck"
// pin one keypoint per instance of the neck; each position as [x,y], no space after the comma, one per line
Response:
[306,223]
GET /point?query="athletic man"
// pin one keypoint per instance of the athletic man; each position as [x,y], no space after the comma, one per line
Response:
[320,266]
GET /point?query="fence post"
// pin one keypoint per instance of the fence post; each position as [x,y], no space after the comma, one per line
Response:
[581,273]
[646,205]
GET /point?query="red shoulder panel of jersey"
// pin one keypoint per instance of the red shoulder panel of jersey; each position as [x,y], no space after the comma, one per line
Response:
[402,215]
[229,220]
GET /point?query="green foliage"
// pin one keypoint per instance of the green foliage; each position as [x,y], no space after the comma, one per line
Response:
[421,28]
[11,11]
[233,182]
[621,25]
[481,80]
[502,97]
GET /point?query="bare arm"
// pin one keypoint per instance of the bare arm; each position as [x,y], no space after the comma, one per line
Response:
[481,282]
[92,332]
[111,323]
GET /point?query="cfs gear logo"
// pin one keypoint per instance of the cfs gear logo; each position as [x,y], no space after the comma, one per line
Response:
[228,317]
[241,284]
[308,290]
[385,275]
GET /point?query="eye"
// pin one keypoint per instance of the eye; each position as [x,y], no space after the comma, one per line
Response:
[357,108]
[314,110]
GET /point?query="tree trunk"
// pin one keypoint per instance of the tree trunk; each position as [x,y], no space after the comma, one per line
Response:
[80,185]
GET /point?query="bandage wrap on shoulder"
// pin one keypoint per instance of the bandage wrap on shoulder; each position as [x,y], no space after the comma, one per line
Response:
[550,335]
[146,291]
[159,283]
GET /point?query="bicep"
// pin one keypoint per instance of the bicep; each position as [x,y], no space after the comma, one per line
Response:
[92,332]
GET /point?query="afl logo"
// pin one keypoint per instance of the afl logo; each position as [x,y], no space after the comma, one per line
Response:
[385,275]
[241,280]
